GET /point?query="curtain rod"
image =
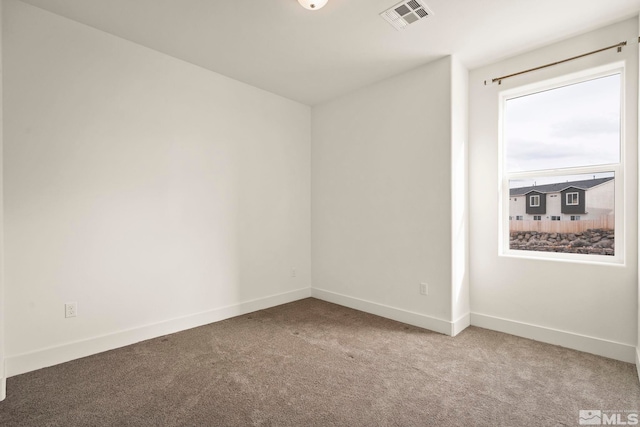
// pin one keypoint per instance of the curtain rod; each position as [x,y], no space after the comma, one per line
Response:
[619,46]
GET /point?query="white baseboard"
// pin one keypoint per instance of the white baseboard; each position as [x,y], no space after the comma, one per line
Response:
[22,363]
[3,389]
[638,361]
[461,324]
[393,313]
[610,349]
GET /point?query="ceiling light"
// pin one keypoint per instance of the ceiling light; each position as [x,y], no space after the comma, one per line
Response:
[312,4]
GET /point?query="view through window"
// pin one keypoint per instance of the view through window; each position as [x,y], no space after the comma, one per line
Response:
[561,159]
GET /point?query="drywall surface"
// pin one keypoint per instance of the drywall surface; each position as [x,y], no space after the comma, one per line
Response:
[460,305]
[381,194]
[3,382]
[141,187]
[597,302]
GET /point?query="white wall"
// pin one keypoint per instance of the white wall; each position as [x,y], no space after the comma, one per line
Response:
[381,197]
[3,381]
[600,201]
[156,194]
[638,283]
[590,307]
[460,304]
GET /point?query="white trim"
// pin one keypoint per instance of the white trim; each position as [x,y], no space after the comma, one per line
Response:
[393,313]
[587,344]
[537,205]
[638,362]
[22,363]
[3,389]
[461,324]
[571,194]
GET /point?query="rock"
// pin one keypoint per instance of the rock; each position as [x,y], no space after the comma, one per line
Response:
[604,243]
[578,243]
[598,242]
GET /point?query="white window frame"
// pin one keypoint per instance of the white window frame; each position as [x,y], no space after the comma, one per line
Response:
[537,197]
[616,168]
[572,194]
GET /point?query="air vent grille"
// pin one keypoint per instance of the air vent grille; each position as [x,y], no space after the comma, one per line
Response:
[402,9]
[405,13]
[413,4]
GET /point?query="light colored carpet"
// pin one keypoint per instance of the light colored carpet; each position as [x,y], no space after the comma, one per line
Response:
[311,363]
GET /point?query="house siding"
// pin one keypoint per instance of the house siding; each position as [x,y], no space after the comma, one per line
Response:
[573,209]
[536,210]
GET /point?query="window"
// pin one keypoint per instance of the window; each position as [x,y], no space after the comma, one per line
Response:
[563,139]
[573,199]
[518,217]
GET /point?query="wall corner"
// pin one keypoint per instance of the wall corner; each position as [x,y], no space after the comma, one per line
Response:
[460,304]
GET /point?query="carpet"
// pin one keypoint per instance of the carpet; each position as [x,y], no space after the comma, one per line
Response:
[312,363]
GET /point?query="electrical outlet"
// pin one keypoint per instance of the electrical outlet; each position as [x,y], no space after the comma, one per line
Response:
[71,309]
[424,289]
[293,272]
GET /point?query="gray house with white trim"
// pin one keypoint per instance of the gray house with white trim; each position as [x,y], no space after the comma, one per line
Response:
[566,201]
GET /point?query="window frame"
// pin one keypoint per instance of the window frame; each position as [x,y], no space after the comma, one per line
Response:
[537,205]
[585,75]
[577,202]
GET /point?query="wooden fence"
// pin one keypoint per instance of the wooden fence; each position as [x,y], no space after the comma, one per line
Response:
[605,223]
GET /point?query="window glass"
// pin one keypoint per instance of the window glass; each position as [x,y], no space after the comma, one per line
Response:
[561,152]
[570,126]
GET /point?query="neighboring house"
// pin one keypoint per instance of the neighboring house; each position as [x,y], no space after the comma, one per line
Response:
[567,201]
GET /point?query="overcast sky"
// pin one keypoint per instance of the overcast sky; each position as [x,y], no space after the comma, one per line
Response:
[576,125]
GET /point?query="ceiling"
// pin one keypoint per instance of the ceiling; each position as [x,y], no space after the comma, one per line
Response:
[314,56]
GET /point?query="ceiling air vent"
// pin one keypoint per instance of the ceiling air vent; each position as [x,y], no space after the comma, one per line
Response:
[405,13]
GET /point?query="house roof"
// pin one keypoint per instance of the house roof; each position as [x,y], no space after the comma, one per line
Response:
[557,187]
